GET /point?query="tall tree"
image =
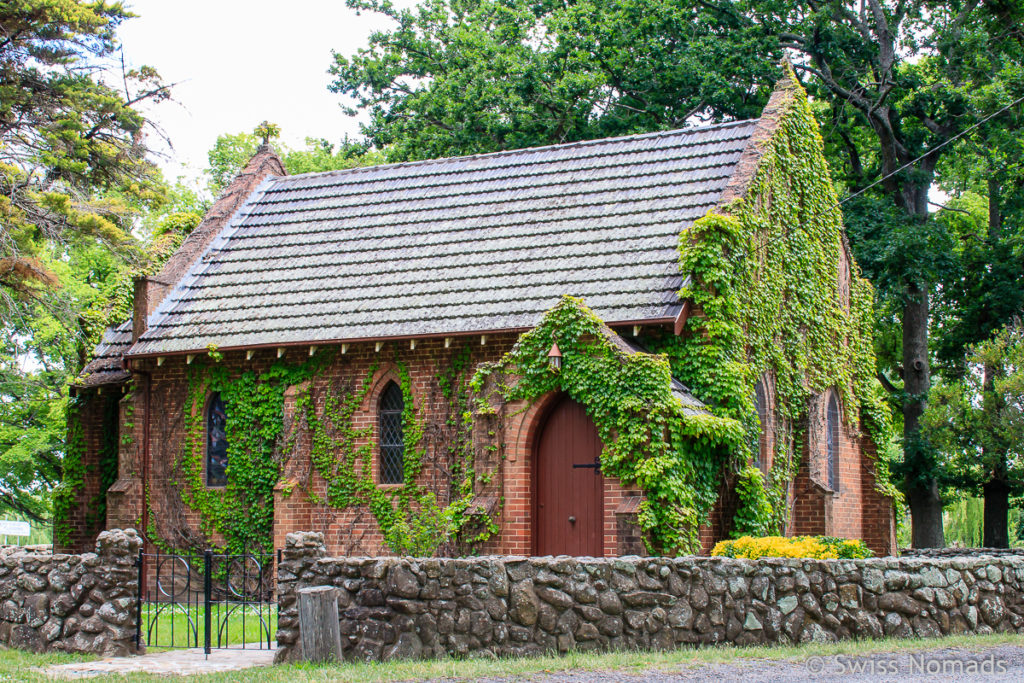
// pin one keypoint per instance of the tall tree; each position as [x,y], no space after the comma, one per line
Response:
[979,421]
[73,176]
[986,291]
[467,76]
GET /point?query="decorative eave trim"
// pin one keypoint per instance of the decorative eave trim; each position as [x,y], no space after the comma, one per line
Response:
[130,355]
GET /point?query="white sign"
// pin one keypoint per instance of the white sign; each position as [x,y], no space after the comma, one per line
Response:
[12,528]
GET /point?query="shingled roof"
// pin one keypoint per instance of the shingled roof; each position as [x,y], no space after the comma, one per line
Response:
[105,366]
[471,244]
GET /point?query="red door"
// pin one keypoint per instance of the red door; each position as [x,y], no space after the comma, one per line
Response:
[568,487]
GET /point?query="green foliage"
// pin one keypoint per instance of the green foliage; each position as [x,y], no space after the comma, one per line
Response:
[409,516]
[73,474]
[978,421]
[72,168]
[459,77]
[242,513]
[755,513]
[767,280]
[963,521]
[74,181]
[845,548]
[649,439]
[230,153]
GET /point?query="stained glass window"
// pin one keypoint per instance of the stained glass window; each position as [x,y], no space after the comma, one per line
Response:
[832,441]
[392,444]
[761,404]
[216,443]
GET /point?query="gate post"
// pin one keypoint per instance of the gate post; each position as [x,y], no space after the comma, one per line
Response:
[207,602]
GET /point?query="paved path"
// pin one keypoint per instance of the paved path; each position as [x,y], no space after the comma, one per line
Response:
[181,662]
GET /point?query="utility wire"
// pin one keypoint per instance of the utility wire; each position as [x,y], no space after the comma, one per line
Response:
[898,170]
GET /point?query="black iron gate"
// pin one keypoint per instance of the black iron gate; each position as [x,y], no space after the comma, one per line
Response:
[207,600]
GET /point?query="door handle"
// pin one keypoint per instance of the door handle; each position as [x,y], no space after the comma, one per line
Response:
[572,520]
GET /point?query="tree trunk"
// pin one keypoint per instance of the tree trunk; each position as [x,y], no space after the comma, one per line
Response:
[922,488]
[997,508]
[926,516]
[995,530]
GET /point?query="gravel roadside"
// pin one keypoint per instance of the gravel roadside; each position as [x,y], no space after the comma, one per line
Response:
[999,663]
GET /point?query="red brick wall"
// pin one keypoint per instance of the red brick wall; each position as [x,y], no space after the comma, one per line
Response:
[351,531]
[84,521]
[856,511]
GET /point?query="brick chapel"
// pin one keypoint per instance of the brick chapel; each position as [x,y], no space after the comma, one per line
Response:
[390,272]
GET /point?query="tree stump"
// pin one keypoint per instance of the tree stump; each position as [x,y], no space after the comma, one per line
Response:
[318,624]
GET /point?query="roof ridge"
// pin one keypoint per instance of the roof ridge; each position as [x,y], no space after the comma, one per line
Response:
[521,150]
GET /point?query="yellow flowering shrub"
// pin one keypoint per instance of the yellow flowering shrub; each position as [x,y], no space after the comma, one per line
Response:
[812,547]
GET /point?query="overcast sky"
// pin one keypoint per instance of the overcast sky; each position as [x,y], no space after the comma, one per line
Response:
[239,62]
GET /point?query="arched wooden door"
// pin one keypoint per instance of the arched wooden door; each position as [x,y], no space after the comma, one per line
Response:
[568,490]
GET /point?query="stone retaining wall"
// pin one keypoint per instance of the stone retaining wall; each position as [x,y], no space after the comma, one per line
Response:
[401,607]
[961,552]
[71,603]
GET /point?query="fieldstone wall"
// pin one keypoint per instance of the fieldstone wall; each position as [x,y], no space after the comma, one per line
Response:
[405,608]
[961,552]
[71,603]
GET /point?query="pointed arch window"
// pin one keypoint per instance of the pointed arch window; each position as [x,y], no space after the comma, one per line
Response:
[761,404]
[392,444]
[216,442]
[832,423]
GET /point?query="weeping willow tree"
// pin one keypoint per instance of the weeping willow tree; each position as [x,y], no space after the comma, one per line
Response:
[964,523]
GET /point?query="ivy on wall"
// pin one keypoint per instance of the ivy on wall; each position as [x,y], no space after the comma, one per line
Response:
[108,459]
[242,512]
[74,473]
[408,515]
[765,274]
[649,439]
[764,278]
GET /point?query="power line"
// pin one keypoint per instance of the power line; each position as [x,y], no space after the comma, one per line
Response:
[898,170]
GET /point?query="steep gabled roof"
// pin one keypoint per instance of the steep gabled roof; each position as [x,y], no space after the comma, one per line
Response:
[105,366]
[451,246]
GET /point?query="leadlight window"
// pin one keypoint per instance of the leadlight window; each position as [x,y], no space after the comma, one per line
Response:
[216,442]
[392,444]
[761,404]
[832,422]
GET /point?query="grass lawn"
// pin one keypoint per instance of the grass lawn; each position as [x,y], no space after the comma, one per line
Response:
[171,625]
[18,666]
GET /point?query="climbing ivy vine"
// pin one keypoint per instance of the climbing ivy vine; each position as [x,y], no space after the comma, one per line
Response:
[650,439]
[765,274]
[242,512]
[74,473]
[408,515]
